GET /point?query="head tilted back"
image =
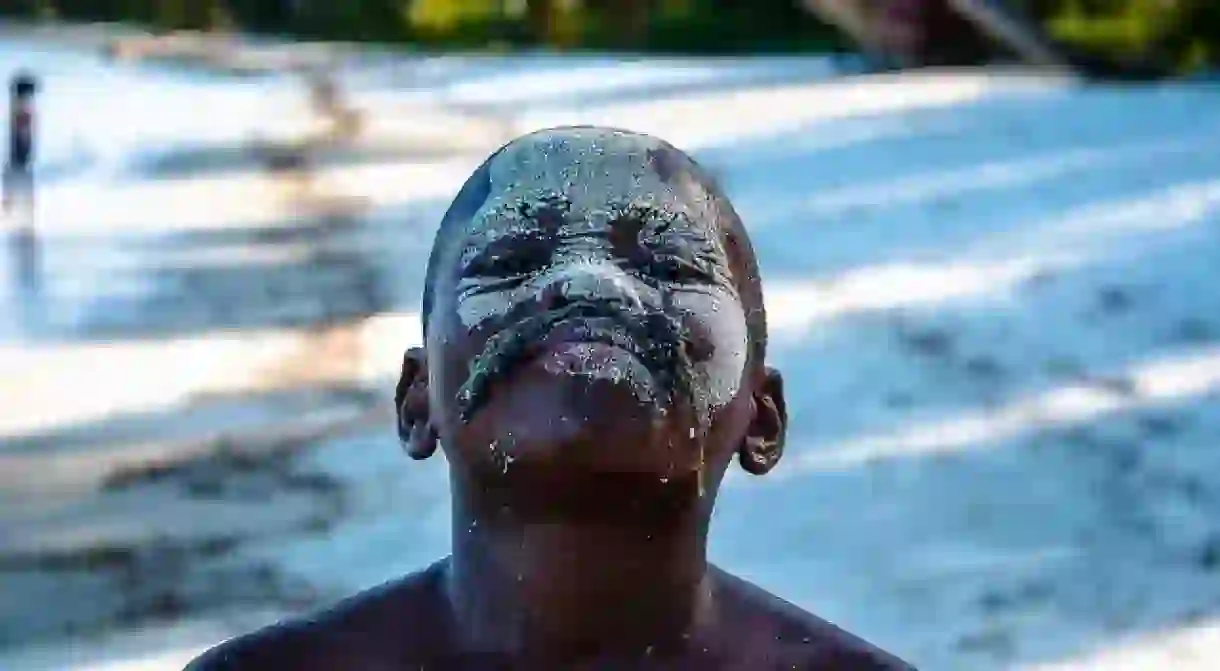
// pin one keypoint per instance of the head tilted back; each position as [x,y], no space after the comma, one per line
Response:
[685,178]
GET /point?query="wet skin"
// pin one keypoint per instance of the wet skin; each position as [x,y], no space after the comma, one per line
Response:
[593,362]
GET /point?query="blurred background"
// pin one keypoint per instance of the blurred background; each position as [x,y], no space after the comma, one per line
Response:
[988,232]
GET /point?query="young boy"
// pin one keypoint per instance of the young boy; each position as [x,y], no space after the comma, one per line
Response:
[594,360]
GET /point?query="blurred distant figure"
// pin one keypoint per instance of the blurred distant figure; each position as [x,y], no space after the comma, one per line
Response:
[18,180]
[292,164]
[343,122]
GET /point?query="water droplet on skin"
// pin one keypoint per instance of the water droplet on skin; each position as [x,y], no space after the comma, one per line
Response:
[665,481]
[702,465]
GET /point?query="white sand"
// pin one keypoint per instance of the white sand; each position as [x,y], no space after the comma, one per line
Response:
[994,299]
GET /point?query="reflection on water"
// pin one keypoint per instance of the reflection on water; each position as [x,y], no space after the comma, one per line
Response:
[26,262]
[25,278]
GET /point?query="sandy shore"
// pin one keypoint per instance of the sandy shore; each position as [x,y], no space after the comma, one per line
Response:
[991,296]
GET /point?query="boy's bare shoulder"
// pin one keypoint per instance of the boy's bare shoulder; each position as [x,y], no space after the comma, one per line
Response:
[281,646]
[403,625]
[395,621]
[790,638]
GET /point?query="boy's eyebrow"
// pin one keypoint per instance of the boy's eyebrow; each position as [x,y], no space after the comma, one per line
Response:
[496,242]
[516,224]
[544,211]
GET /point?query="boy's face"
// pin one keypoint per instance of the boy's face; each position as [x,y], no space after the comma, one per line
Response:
[587,318]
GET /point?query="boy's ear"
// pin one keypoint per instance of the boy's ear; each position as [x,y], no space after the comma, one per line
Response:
[415,431]
[763,444]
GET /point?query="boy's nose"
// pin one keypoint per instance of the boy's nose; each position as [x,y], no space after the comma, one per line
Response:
[589,281]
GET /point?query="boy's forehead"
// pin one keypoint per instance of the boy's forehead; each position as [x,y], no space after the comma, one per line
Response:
[591,173]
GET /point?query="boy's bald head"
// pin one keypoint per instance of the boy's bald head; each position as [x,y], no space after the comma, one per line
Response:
[590,286]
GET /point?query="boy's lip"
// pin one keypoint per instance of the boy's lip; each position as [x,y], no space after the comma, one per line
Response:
[573,345]
[623,339]
[581,331]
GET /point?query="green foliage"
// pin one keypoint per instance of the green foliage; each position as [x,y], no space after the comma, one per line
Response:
[1186,32]
[444,15]
[704,26]
[1181,32]
[667,25]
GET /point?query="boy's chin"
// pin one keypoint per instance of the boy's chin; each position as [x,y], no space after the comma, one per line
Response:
[582,424]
